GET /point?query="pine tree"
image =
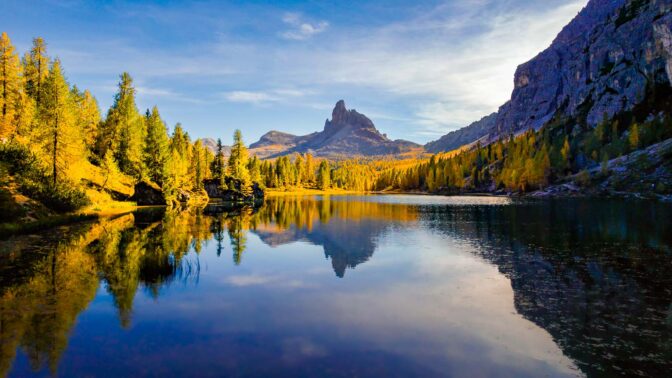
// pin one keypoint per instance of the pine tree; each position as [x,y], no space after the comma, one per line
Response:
[36,69]
[59,139]
[10,88]
[218,164]
[238,161]
[155,154]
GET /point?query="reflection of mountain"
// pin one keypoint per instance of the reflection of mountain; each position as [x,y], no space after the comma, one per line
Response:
[348,231]
[595,277]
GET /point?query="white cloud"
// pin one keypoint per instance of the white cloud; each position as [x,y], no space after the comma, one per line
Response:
[300,29]
[263,97]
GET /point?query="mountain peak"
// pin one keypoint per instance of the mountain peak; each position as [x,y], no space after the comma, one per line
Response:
[340,112]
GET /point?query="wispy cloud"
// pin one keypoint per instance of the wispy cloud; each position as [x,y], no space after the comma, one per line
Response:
[424,71]
[262,97]
[301,30]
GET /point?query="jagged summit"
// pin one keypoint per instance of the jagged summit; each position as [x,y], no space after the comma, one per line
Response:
[348,133]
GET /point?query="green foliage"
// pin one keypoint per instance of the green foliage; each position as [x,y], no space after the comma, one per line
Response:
[238,161]
[62,197]
[155,152]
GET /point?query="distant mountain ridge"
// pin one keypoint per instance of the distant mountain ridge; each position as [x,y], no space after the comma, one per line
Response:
[347,134]
[464,136]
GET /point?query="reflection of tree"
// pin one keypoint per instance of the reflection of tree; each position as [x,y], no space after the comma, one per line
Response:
[38,313]
[43,288]
[594,274]
[237,226]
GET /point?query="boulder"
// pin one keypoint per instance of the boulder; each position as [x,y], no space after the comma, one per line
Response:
[148,194]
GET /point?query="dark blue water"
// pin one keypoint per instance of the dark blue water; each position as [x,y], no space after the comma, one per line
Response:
[346,286]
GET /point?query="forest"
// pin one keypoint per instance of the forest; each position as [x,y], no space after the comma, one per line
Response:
[57,147]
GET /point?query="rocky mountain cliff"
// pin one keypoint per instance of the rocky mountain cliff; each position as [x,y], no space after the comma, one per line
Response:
[609,59]
[348,133]
[615,56]
[463,136]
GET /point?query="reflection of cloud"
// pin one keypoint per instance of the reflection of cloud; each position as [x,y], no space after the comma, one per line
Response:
[296,349]
[300,29]
[261,280]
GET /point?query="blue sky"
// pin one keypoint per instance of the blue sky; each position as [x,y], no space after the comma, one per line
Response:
[418,69]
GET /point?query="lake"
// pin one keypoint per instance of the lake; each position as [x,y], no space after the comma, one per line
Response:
[346,286]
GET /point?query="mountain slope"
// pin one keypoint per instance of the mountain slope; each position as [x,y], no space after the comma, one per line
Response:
[347,134]
[607,60]
[463,136]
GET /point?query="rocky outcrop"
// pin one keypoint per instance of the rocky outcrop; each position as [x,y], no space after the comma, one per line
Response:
[606,61]
[463,136]
[232,191]
[348,133]
[148,194]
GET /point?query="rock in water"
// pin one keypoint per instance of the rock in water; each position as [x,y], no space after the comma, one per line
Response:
[148,194]
[232,192]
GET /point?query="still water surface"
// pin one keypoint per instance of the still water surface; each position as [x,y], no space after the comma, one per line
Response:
[346,286]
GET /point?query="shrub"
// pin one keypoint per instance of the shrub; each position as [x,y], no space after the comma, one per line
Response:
[35,182]
[63,197]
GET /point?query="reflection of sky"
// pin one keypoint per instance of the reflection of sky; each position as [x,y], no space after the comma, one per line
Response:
[423,305]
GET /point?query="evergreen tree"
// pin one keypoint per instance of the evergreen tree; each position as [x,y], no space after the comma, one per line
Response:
[218,164]
[11,98]
[156,151]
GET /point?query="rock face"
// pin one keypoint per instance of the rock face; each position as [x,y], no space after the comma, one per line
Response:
[606,60]
[348,133]
[463,136]
[147,194]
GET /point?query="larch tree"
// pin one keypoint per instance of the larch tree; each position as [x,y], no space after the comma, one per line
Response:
[36,69]
[123,130]
[155,154]
[238,161]
[87,115]
[59,138]
[324,176]
[10,88]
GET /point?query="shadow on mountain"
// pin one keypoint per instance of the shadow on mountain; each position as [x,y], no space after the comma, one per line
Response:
[595,275]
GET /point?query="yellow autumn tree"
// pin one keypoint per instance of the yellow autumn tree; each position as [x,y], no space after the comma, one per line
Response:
[58,139]
[10,88]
